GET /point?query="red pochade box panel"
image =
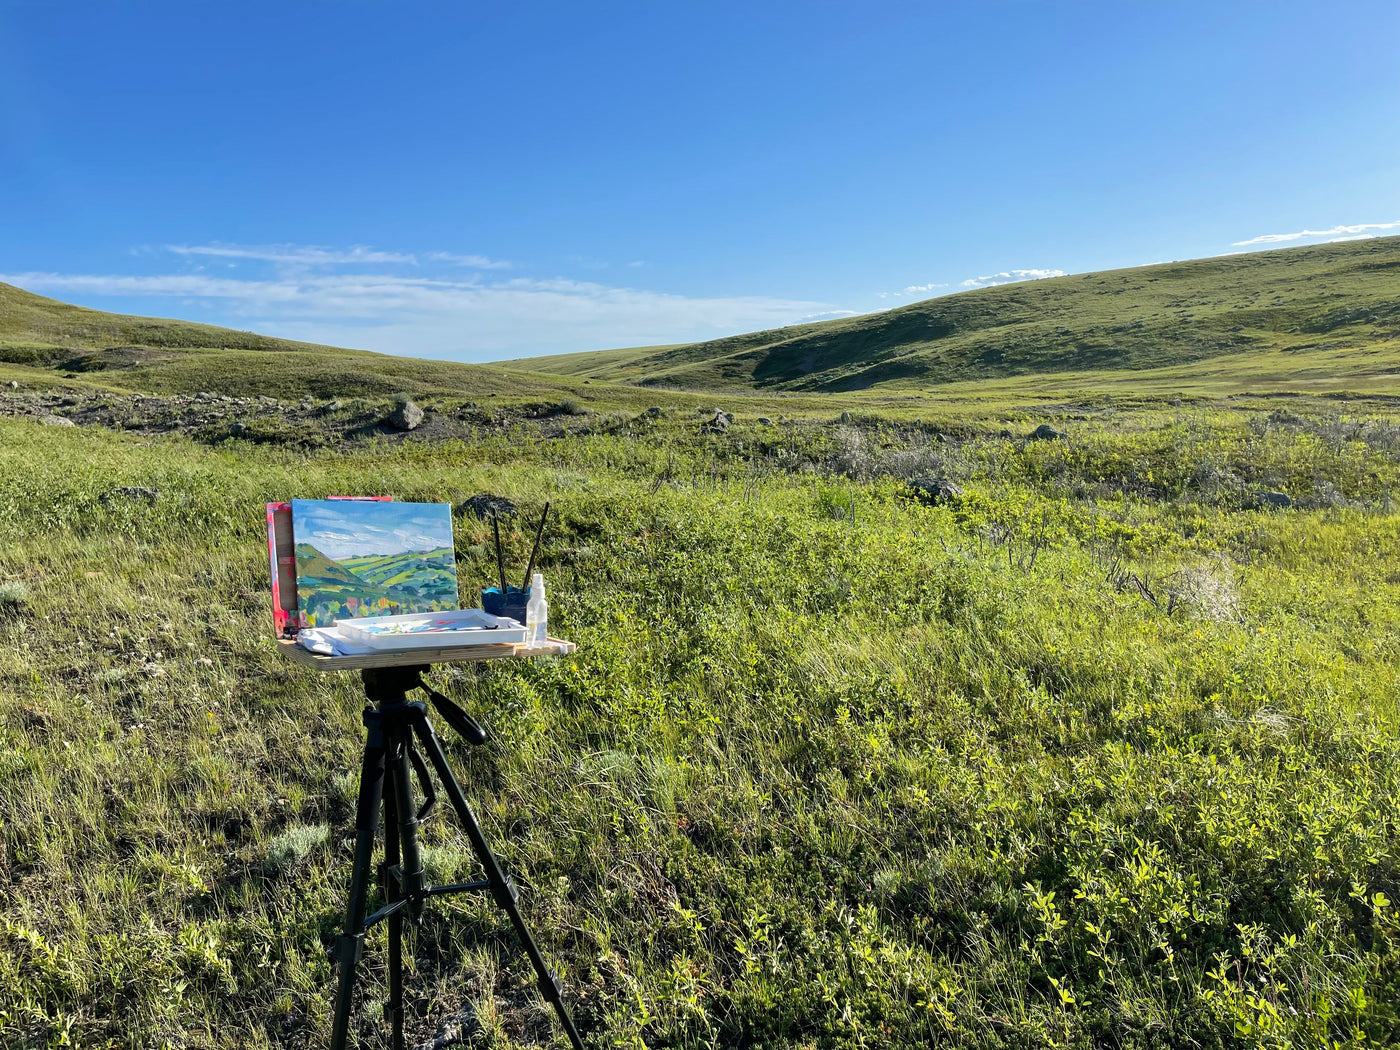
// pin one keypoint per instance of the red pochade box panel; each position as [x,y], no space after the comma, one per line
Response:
[286,621]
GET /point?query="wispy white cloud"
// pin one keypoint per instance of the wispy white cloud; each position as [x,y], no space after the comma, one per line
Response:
[1009,277]
[913,289]
[477,262]
[315,257]
[305,255]
[467,318]
[828,315]
[1356,232]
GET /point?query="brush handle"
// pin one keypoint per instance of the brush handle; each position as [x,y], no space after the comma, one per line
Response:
[500,558]
[530,569]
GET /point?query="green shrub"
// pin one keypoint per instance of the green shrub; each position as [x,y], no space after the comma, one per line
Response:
[294,845]
[14,597]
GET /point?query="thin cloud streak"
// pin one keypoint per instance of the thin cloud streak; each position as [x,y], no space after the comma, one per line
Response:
[294,254]
[311,256]
[439,317]
[1336,232]
[477,262]
[1010,277]
[913,289]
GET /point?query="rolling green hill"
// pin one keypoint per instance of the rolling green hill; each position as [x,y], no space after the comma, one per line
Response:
[1307,313]
[43,341]
[1315,319]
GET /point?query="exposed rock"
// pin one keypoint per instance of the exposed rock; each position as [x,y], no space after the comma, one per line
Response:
[407,416]
[14,384]
[237,429]
[1006,434]
[1045,432]
[934,491]
[654,411]
[845,417]
[764,421]
[1277,500]
[483,504]
[56,421]
[129,492]
[719,424]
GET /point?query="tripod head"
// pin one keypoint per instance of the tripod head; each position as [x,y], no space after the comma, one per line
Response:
[391,685]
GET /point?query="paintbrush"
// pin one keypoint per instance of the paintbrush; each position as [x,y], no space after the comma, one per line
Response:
[530,569]
[500,558]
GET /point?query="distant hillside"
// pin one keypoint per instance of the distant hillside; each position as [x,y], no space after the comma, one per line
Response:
[1310,302]
[43,339]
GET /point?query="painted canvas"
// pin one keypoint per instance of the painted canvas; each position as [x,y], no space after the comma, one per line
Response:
[372,559]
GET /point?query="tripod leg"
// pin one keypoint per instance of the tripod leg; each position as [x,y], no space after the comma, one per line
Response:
[501,887]
[366,823]
[404,819]
[393,1009]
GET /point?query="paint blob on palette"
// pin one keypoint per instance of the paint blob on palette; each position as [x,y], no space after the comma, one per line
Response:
[372,559]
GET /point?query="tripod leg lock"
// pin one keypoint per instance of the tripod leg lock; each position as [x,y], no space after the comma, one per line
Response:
[351,946]
[393,1015]
[550,989]
[505,892]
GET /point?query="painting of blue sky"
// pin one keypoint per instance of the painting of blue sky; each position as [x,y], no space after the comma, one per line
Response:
[372,559]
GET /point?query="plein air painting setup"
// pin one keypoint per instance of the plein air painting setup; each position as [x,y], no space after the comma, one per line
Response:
[370,585]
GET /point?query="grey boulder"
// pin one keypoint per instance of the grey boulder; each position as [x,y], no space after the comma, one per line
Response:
[407,416]
[134,493]
[934,491]
[483,505]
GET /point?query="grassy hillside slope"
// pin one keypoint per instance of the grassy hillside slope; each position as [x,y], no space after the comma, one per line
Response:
[1312,304]
[43,341]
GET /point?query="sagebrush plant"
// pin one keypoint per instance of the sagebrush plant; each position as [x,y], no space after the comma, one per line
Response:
[14,596]
[830,767]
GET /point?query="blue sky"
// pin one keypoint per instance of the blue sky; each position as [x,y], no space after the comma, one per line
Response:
[480,182]
[348,529]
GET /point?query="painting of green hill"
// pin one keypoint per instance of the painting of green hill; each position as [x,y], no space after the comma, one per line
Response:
[419,572]
[361,558]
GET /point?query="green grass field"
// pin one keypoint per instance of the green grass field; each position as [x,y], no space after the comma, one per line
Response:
[1102,753]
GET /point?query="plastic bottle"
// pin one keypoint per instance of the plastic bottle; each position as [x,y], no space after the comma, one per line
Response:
[537,614]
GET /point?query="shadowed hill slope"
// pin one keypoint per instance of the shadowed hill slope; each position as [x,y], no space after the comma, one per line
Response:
[1326,298]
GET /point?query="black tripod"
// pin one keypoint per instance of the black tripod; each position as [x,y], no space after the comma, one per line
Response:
[393,723]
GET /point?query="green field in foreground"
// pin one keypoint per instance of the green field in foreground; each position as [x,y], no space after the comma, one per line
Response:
[1103,753]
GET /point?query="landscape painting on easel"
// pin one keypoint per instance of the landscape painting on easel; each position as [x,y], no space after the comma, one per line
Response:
[372,559]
